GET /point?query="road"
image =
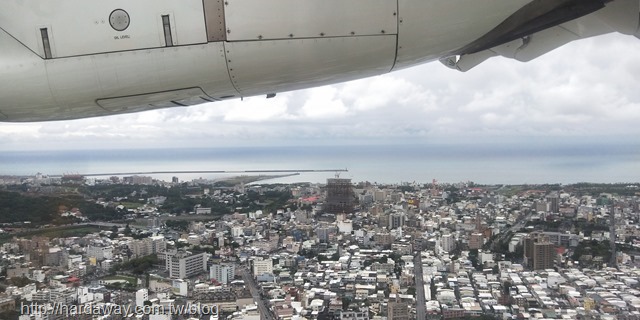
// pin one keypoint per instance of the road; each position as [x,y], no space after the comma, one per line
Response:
[265,313]
[521,223]
[103,224]
[421,309]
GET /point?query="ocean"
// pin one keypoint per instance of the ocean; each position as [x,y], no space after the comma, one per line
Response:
[480,163]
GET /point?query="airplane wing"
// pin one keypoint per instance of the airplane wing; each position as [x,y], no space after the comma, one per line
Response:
[616,16]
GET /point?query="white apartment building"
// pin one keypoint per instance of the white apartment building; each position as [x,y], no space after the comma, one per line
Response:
[142,295]
[147,246]
[223,273]
[184,264]
[262,266]
[100,252]
[447,242]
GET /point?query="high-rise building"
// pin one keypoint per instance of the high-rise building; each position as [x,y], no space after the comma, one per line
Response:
[379,195]
[563,239]
[554,202]
[543,255]
[447,242]
[138,180]
[100,252]
[397,310]
[539,252]
[396,220]
[325,233]
[383,239]
[542,206]
[142,295]
[219,240]
[476,240]
[340,197]
[223,273]
[262,266]
[148,246]
[383,220]
[612,236]
[184,264]
[158,244]
[140,248]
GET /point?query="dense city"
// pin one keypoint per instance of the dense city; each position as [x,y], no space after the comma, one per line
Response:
[139,248]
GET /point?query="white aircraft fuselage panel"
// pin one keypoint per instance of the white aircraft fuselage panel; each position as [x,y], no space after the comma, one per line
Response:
[81,27]
[285,19]
[24,86]
[170,98]
[73,59]
[257,67]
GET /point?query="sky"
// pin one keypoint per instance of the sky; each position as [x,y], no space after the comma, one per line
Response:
[584,92]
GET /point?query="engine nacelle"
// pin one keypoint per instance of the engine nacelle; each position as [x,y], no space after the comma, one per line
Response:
[83,58]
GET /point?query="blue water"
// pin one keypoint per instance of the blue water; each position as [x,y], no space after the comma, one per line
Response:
[481,163]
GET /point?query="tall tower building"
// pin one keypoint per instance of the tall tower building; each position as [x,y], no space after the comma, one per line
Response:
[447,242]
[223,273]
[543,255]
[476,240]
[539,252]
[383,220]
[325,232]
[554,202]
[396,220]
[340,197]
[612,236]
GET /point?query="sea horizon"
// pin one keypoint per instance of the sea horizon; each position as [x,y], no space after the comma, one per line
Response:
[480,163]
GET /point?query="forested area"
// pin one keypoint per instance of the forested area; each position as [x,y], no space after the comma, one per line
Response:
[39,209]
[22,205]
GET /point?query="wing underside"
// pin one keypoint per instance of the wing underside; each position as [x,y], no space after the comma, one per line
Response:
[621,16]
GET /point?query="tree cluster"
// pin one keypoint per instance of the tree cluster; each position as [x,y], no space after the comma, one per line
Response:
[17,207]
[138,265]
